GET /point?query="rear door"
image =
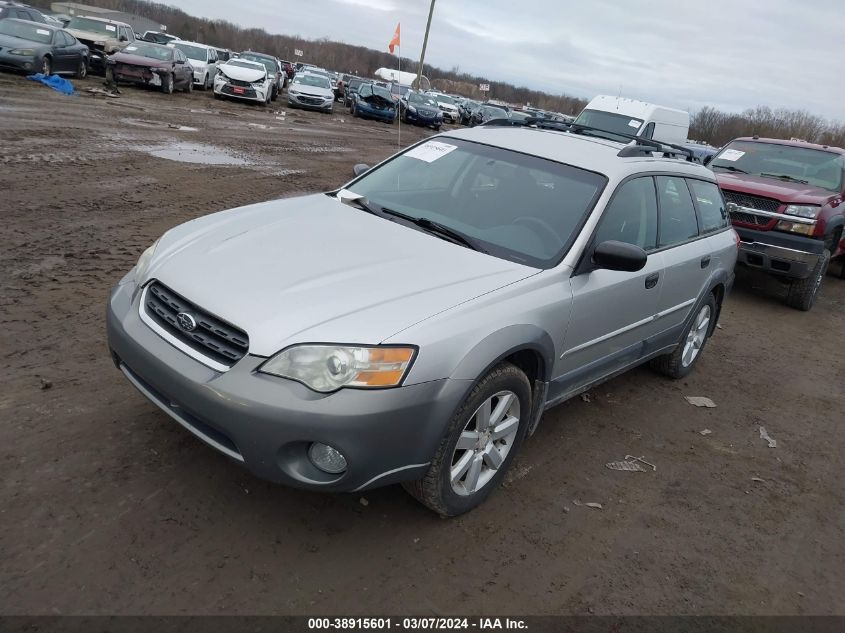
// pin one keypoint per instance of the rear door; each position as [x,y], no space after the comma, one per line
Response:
[687,259]
[613,311]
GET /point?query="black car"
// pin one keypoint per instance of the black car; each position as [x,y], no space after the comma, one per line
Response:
[484,113]
[420,109]
[350,88]
[465,110]
[32,47]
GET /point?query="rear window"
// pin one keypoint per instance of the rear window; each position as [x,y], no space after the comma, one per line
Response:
[712,214]
[519,207]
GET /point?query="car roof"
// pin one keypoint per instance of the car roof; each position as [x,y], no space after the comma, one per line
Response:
[247,61]
[40,25]
[104,20]
[593,154]
[174,42]
[783,141]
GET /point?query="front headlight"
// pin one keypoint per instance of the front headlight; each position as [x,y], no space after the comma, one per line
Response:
[22,51]
[327,368]
[144,263]
[803,210]
[291,91]
[796,227]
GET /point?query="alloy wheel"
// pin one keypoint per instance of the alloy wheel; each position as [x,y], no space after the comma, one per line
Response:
[484,443]
[696,336]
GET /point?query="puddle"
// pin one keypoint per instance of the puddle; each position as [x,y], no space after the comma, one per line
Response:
[195,153]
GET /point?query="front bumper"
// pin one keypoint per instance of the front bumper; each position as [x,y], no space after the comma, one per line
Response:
[143,75]
[20,63]
[449,117]
[368,112]
[419,119]
[246,93]
[310,103]
[782,254]
[268,423]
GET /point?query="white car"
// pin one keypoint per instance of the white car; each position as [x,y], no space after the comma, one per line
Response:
[447,107]
[243,79]
[203,60]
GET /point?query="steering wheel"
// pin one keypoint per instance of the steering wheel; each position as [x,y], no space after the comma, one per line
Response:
[548,235]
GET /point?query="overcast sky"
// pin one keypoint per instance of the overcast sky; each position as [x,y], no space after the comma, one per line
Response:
[733,54]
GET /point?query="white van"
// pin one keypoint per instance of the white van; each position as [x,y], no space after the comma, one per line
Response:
[638,118]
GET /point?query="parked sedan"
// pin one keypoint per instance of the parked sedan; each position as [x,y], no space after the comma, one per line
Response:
[420,109]
[485,113]
[149,64]
[33,47]
[310,91]
[374,102]
[350,88]
[273,69]
[244,79]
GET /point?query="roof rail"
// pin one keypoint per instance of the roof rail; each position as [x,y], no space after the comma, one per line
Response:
[641,147]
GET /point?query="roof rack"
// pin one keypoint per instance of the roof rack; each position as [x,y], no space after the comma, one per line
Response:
[641,147]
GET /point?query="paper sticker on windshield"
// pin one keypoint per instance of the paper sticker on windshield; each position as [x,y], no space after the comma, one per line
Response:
[633,123]
[131,48]
[731,155]
[42,31]
[431,151]
[109,27]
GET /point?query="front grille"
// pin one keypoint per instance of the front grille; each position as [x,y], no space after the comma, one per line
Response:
[229,90]
[238,82]
[751,202]
[311,100]
[212,337]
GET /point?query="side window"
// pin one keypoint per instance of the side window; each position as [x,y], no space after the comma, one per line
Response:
[631,216]
[712,214]
[648,132]
[678,222]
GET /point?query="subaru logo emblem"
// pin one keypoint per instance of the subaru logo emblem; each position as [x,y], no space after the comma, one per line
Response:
[186,321]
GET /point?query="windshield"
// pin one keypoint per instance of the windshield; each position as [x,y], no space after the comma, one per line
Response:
[399,90]
[772,160]
[418,99]
[269,64]
[26,31]
[317,81]
[444,99]
[94,26]
[518,207]
[193,52]
[384,93]
[153,51]
[611,122]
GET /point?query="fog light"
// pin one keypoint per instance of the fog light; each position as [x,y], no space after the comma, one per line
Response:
[327,459]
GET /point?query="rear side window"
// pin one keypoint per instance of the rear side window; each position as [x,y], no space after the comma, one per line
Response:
[712,214]
[678,222]
[631,216]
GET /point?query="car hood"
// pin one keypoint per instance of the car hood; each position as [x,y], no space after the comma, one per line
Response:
[377,101]
[92,35]
[7,41]
[242,74]
[311,91]
[447,106]
[313,269]
[787,192]
[139,60]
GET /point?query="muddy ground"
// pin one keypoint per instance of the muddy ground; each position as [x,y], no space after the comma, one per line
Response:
[107,506]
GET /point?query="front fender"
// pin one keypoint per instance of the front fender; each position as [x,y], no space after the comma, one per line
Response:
[501,344]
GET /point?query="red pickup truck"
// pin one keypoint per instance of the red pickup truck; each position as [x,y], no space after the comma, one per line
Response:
[787,203]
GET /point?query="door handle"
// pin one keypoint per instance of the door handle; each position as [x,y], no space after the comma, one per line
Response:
[651,280]
[705,261]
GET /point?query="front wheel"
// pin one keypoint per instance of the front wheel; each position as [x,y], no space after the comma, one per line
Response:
[681,361]
[82,68]
[802,292]
[46,67]
[167,84]
[479,445]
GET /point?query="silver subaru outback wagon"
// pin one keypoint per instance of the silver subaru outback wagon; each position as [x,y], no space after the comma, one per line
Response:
[412,326]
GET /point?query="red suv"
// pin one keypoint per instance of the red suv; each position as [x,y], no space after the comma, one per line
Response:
[785,199]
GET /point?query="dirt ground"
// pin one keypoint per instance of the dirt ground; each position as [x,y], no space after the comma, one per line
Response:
[107,506]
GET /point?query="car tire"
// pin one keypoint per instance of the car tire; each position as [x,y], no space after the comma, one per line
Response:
[46,66]
[167,84]
[189,86]
[82,68]
[354,111]
[462,476]
[436,128]
[802,292]
[682,360]
[274,94]
[204,85]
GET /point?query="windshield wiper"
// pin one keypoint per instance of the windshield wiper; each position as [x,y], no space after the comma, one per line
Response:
[438,229]
[730,168]
[786,177]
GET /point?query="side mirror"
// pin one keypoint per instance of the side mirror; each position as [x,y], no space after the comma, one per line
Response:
[613,255]
[123,38]
[708,159]
[360,168]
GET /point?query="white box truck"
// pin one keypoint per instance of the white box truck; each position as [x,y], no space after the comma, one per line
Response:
[635,118]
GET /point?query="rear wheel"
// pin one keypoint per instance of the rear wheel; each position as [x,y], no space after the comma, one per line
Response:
[275,93]
[681,361]
[189,85]
[82,68]
[46,66]
[802,292]
[479,445]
